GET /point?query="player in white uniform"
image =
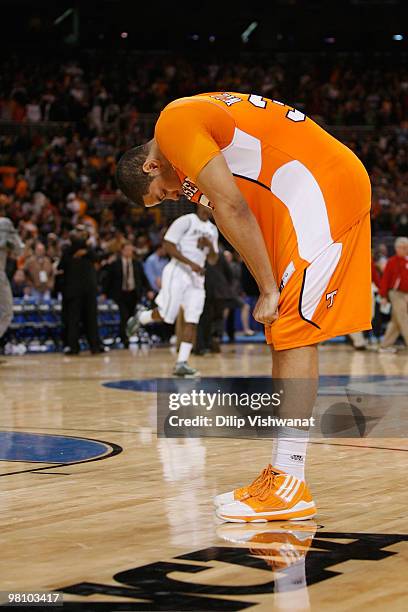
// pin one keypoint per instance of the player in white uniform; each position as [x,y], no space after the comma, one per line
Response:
[190,241]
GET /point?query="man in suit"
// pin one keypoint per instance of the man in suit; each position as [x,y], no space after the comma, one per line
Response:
[125,283]
[78,281]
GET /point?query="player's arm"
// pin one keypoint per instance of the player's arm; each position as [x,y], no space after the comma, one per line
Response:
[173,251]
[236,221]
[212,256]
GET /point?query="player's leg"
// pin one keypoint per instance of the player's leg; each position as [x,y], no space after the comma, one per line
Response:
[141,318]
[72,308]
[6,309]
[193,299]
[399,319]
[6,304]
[317,303]
[187,340]
[280,491]
[168,302]
[392,332]
[297,401]
[400,306]
[245,312]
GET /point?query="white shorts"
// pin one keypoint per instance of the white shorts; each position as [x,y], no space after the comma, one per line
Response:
[181,287]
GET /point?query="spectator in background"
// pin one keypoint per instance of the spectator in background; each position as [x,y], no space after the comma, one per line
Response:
[53,247]
[39,273]
[142,246]
[79,293]
[125,283]
[401,221]
[249,285]
[218,291]
[237,301]
[19,284]
[381,258]
[394,288]
[377,318]
[153,267]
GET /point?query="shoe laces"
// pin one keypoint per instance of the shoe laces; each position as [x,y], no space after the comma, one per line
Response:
[257,483]
[264,488]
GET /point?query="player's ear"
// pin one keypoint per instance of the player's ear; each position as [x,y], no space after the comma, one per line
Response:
[152,166]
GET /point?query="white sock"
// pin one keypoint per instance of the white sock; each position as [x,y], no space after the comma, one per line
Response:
[289,451]
[146,317]
[184,351]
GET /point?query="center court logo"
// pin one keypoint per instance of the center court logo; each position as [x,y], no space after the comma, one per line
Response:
[150,585]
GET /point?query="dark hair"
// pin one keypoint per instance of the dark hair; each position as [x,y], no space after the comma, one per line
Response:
[130,177]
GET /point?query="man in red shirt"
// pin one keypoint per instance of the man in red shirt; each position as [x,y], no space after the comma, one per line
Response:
[394,288]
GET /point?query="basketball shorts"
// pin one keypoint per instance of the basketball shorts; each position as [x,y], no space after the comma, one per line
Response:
[328,298]
[181,288]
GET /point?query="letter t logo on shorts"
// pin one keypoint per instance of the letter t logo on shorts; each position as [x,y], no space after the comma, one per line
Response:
[330,298]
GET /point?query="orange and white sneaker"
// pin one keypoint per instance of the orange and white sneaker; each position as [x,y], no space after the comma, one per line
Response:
[280,547]
[279,497]
[245,492]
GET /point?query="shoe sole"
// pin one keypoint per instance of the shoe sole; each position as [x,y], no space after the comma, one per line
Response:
[264,517]
[218,504]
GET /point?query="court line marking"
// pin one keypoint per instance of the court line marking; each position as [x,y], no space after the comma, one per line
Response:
[404,450]
[130,431]
[121,431]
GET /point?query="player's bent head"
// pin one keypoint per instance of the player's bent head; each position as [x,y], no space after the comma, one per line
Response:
[146,177]
[131,178]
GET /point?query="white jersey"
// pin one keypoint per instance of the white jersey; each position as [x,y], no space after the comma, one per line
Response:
[185,233]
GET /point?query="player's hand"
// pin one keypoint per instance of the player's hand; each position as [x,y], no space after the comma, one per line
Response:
[80,253]
[196,268]
[266,309]
[203,242]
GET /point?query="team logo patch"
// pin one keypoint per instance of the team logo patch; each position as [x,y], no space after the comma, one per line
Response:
[330,297]
[227,98]
[286,276]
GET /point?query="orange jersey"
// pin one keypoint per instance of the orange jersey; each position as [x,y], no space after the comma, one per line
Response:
[269,147]
[305,188]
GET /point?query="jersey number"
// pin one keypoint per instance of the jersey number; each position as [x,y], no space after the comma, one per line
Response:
[293,114]
[257,101]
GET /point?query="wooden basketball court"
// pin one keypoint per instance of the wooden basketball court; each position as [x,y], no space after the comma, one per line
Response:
[96,506]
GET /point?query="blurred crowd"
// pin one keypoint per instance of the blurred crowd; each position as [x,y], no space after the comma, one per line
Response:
[52,179]
[112,88]
[57,177]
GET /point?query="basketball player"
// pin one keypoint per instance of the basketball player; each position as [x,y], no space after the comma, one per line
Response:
[294,202]
[190,241]
[10,243]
